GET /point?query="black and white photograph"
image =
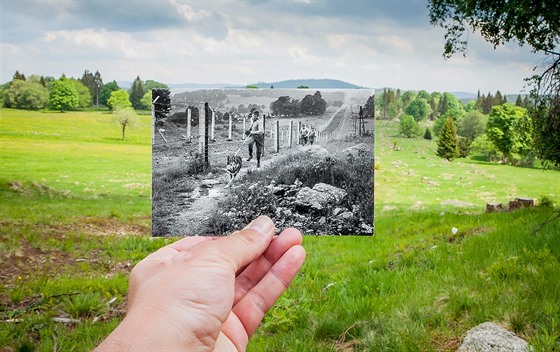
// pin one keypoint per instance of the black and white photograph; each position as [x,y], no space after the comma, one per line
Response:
[221,157]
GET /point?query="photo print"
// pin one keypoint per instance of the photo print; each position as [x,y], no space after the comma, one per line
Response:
[303,157]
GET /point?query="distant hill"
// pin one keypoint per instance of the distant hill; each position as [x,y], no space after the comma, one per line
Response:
[204,85]
[311,83]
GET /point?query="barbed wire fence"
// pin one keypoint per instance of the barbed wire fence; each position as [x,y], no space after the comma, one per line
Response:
[208,134]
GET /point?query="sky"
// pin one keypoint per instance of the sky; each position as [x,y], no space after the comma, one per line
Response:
[371,43]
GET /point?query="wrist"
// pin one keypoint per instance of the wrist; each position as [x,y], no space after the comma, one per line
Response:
[147,333]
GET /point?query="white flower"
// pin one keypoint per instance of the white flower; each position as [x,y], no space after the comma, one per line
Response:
[454,230]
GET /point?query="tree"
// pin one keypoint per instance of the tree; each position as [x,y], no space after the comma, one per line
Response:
[320,103]
[93,82]
[63,95]
[307,105]
[532,23]
[508,129]
[119,99]
[447,143]
[18,76]
[313,104]
[125,117]
[483,146]
[84,95]
[418,108]
[106,91]
[472,125]
[284,106]
[369,108]
[136,93]
[428,134]
[409,127]
[146,101]
[28,95]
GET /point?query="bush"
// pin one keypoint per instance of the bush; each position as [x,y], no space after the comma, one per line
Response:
[409,127]
[464,147]
[484,147]
[546,202]
[428,134]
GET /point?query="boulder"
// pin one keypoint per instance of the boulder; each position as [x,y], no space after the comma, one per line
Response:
[318,198]
[489,337]
[355,150]
[336,195]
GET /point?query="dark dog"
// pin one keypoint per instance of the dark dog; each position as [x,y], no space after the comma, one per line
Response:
[233,166]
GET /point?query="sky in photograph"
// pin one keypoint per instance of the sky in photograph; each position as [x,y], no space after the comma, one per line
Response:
[369,43]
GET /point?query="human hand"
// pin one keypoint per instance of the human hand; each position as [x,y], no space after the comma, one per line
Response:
[205,293]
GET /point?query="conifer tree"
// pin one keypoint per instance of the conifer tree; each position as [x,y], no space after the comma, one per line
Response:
[448,145]
[136,93]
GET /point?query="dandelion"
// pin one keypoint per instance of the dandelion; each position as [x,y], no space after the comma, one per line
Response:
[454,230]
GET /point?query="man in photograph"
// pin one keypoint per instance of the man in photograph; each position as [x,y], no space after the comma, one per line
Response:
[255,136]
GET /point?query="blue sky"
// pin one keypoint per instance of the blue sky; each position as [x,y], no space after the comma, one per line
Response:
[366,42]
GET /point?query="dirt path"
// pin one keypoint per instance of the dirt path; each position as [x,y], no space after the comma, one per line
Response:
[210,191]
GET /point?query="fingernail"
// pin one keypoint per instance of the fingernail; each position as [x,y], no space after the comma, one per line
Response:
[262,224]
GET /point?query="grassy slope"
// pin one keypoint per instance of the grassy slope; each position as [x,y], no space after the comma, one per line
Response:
[414,286]
[64,179]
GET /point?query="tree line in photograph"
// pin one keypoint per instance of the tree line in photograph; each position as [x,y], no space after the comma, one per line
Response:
[64,94]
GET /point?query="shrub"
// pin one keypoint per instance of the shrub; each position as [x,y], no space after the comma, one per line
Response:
[409,127]
[546,202]
[484,147]
[428,134]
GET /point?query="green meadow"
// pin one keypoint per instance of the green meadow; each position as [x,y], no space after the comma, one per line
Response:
[76,214]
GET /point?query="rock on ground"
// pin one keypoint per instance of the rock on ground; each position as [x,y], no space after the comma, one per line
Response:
[489,337]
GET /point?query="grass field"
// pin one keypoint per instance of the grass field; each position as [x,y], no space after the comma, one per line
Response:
[75,217]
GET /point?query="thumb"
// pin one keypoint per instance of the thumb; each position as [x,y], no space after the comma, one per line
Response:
[242,247]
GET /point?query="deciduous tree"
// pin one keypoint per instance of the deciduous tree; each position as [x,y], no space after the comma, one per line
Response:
[28,95]
[409,127]
[106,91]
[508,128]
[119,99]
[125,117]
[63,95]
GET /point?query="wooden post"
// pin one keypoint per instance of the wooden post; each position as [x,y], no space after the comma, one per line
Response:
[290,128]
[189,132]
[244,128]
[213,125]
[264,133]
[153,124]
[230,127]
[298,133]
[277,136]
[207,111]
[201,130]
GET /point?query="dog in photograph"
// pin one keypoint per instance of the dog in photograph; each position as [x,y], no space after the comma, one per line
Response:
[233,166]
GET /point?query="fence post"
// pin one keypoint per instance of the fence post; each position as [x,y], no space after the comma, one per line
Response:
[277,136]
[298,133]
[207,111]
[244,128]
[290,133]
[213,125]
[201,123]
[264,134]
[230,127]
[189,116]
